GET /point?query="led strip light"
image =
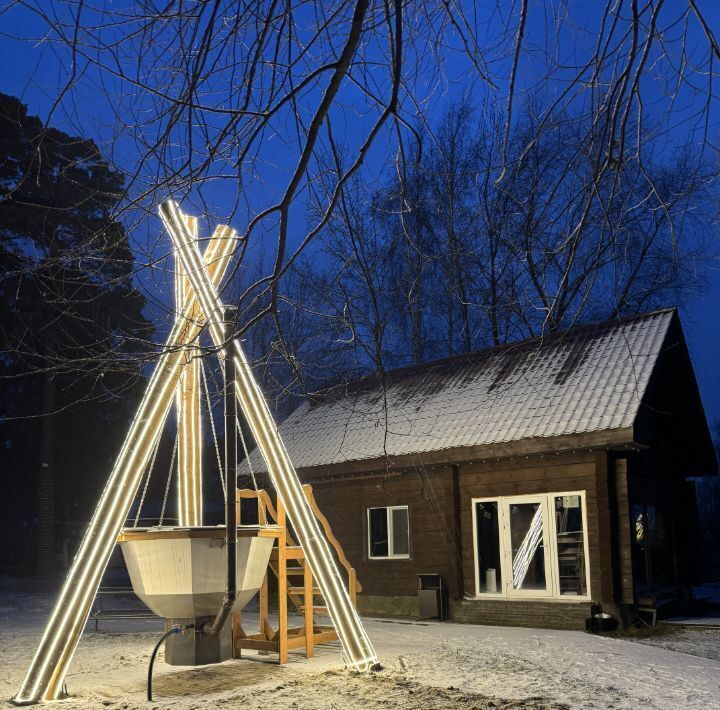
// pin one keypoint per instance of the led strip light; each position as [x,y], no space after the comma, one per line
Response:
[356,644]
[189,460]
[44,678]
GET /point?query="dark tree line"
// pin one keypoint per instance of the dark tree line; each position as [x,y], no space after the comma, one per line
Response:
[445,257]
[72,328]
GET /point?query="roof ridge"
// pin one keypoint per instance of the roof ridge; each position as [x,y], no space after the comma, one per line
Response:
[582,380]
[544,339]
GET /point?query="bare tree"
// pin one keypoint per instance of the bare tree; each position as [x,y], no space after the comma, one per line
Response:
[236,108]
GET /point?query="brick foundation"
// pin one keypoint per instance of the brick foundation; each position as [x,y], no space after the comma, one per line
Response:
[491,612]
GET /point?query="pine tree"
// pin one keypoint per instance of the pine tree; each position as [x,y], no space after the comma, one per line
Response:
[72,329]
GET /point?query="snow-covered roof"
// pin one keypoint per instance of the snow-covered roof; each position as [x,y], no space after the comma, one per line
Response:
[587,379]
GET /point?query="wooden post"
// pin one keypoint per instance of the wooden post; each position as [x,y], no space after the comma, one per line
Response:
[282,585]
[352,584]
[308,611]
[189,454]
[623,533]
[605,593]
[237,630]
[265,627]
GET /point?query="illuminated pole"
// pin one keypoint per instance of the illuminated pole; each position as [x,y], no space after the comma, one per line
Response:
[187,398]
[44,679]
[356,644]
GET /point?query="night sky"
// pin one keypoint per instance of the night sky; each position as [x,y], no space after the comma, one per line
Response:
[32,72]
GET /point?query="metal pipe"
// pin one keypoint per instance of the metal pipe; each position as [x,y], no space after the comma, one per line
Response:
[231,457]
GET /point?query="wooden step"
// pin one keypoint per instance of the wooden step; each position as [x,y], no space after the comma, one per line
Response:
[289,570]
[301,590]
[292,552]
[322,610]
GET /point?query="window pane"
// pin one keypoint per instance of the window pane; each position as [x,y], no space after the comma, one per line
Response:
[570,545]
[639,548]
[401,532]
[488,548]
[527,541]
[378,532]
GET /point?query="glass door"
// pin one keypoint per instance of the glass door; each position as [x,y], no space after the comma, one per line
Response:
[527,552]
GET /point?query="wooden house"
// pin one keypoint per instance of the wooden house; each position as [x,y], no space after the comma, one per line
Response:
[545,480]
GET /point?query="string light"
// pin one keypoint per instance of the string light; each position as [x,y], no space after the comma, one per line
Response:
[44,678]
[187,398]
[356,644]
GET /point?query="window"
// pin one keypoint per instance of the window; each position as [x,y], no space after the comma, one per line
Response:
[487,531]
[653,549]
[527,545]
[531,546]
[389,533]
[570,536]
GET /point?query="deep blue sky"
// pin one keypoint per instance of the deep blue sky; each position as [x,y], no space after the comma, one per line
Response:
[33,73]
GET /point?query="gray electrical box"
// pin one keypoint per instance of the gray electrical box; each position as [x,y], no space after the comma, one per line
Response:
[432,601]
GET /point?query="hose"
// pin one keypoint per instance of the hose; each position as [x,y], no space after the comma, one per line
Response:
[174,629]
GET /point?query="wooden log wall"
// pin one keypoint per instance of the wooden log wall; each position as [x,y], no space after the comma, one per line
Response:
[428,493]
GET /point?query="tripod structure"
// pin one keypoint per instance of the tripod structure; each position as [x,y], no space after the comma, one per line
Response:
[202,308]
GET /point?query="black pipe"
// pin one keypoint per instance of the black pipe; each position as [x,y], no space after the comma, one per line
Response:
[174,629]
[231,455]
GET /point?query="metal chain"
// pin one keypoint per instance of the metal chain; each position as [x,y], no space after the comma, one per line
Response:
[147,480]
[247,454]
[212,427]
[167,485]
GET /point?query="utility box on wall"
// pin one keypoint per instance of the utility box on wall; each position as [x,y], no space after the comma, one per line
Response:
[432,602]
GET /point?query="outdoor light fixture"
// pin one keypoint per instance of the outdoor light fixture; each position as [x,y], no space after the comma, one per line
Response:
[187,397]
[44,679]
[356,644]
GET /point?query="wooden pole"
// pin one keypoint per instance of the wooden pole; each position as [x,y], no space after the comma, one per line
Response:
[189,459]
[282,584]
[623,533]
[308,611]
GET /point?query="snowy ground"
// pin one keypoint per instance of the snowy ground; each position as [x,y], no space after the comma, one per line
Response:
[427,666]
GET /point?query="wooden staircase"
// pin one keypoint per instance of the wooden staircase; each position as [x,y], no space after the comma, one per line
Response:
[288,562]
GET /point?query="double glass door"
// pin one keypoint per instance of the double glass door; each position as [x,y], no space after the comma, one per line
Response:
[531,546]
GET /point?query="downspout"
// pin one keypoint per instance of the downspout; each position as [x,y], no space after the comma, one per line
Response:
[231,454]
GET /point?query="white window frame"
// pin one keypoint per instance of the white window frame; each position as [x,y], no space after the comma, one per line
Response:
[551,551]
[391,542]
[506,557]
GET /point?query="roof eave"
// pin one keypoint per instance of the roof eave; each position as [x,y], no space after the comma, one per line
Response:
[620,439]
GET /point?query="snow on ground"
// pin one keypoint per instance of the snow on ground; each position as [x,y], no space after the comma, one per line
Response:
[427,666]
[703,642]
